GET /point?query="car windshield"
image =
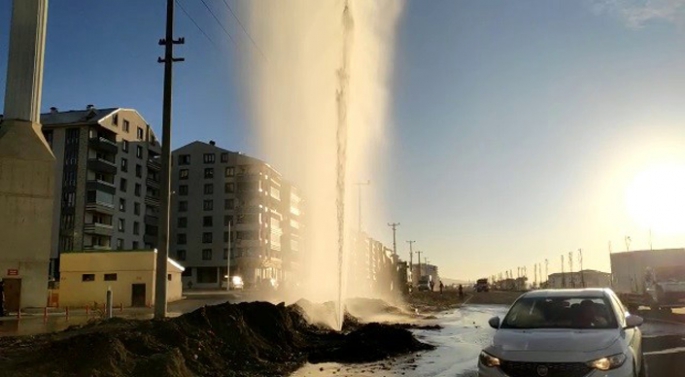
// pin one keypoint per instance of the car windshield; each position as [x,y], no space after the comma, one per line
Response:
[562,312]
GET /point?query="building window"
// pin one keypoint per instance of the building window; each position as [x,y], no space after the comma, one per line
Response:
[127,125]
[181,255]
[110,277]
[122,204]
[207,254]
[225,254]
[224,157]
[228,220]
[208,205]
[209,158]
[137,189]
[209,173]
[135,245]
[88,277]
[207,237]
[123,183]
[230,171]
[136,228]
[229,203]
[207,275]
[182,222]
[139,171]
[229,187]
[183,190]
[124,165]
[209,189]
[122,225]
[136,208]
[168,277]
[139,151]
[115,119]
[184,159]
[182,206]
[183,174]
[120,243]
[181,239]
[207,221]
[124,145]
[225,236]
[140,134]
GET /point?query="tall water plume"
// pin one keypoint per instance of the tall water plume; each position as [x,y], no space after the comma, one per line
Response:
[319,100]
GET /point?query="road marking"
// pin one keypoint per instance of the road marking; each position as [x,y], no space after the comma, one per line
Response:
[666,351]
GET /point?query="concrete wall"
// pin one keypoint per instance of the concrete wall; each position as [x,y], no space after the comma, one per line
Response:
[26,205]
[131,267]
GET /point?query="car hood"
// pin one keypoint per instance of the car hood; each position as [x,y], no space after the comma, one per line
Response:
[554,340]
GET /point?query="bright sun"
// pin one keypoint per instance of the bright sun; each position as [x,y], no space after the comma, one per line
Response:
[655,199]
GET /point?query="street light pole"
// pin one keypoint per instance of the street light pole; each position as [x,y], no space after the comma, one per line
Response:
[411,260]
[163,251]
[228,260]
[394,239]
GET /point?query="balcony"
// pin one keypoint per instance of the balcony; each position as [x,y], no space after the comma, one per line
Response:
[150,239]
[152,183]
[152,200]
[97,247]
[103,144]
[99,164]
[248,177]
[249,209]
[100,185]
[98,228]
[101,207]
[154,164]
[151,220]
[247,243]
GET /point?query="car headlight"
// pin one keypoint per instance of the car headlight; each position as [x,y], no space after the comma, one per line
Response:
[609,362]
[488,360]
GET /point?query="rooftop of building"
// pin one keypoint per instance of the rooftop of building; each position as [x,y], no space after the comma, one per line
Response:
[587,271]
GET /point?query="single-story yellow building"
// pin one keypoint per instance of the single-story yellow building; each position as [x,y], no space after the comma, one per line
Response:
[86,275]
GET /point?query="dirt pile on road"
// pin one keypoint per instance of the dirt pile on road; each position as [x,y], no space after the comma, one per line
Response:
[247,339]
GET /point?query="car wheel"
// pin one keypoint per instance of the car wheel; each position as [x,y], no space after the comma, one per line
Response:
[643,369]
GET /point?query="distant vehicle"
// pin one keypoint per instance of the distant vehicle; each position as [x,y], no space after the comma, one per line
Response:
[482,285]
[654,278]
[424,283]
[235,283]
[566,332]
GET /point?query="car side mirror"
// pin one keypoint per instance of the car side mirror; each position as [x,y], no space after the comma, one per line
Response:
[494,322]
[634,321]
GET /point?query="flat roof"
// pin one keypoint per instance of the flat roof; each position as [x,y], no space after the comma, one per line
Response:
[560,293]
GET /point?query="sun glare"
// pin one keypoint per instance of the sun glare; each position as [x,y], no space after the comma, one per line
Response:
[655,199]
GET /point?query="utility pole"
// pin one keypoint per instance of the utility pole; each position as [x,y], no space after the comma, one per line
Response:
[163,252]
[419,259]
[411,260]
[563,272]
[582,274]
[547,271]
[228,260]
[359,187]
[394,239]
[570,266]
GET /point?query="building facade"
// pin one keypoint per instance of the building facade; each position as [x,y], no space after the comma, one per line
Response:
[86,276]
[106,180]
[214,189]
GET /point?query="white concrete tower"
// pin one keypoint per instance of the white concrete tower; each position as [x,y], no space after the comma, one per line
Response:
[26,164]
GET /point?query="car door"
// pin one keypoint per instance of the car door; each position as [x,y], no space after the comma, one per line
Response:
[633,336]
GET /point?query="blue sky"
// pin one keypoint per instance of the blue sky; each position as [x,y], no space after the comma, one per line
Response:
[516,125]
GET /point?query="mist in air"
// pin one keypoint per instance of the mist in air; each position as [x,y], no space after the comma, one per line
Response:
[318,93]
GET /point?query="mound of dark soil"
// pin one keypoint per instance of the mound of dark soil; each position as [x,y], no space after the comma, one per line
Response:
[246,339]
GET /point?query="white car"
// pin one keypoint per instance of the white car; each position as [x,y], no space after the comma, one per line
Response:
[565,333]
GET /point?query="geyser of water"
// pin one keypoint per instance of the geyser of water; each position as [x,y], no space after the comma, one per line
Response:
[318,99]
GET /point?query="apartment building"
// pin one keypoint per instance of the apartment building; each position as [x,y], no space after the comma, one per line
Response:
[106,180]
[212,188]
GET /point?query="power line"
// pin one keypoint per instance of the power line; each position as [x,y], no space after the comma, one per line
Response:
[196,24]
[219,22]
[243,27]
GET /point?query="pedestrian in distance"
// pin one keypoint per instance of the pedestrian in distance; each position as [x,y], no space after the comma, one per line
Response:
[442,286]
[461,292]
[432,284]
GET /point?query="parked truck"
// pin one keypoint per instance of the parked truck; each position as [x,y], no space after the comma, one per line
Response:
[654,278]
